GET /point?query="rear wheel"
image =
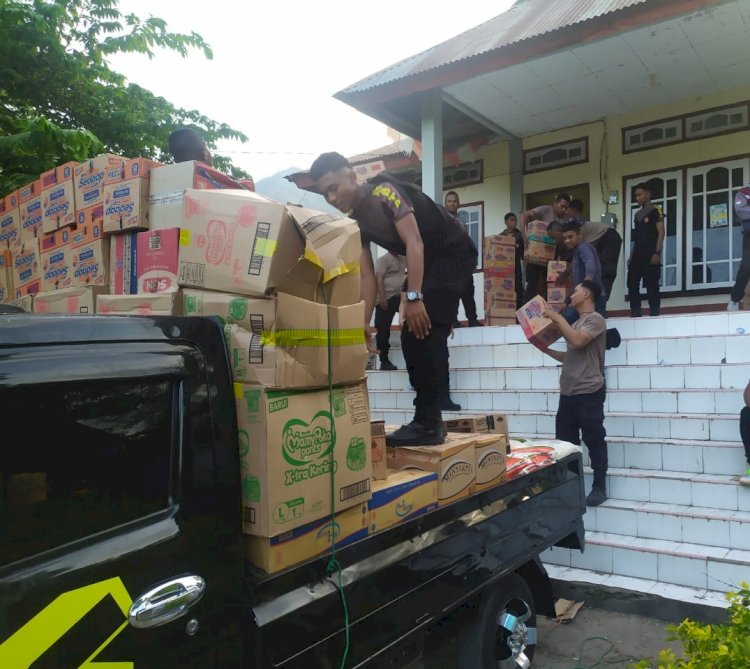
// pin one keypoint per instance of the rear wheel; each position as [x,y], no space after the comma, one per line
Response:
[503,633]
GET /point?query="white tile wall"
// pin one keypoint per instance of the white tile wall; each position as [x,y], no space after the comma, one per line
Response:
[611,377]
[651,427]
[628,487]
[378,381]
[711,324]
[620,426]
[468,336]
[735,376]
[682,571]
[480,402]
[738,348]
[505,356]
[505,402]
[679,326]
[673,351]
[514,335]
[493,335]
[695,402]
[715,496]
[641,351]
[670,491]
[707,351]
[682,457]
[728,402]
[739,321]
[705,531]
[626,326]
[739,535]
[480,356]
[623,401]
[530,356]
[667,377]
[545,424]
[660,402]
[534,401]
[722,460]
[615,521]
[616,356]
[743,500]
[649,328]
[633,377]
[725,429]
[523,424]
[689,428]
[517,379]
[703,377]
[639,564]
[467,379]
[459,356]
[595,557]
[659,526]
[643,456]
[545,379]
[616,454]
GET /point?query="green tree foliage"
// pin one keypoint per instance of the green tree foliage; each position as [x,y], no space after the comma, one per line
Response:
[60,100]
[711,646]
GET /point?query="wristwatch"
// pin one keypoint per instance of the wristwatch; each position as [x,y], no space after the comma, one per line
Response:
[413,296]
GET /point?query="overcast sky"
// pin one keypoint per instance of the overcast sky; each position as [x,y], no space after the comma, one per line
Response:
[277,64]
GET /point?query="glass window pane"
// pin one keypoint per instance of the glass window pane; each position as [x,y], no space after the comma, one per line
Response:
[697,212]
[698,183]
[719,272]
[671,187]
[717,178]
[101,457]
[737,177]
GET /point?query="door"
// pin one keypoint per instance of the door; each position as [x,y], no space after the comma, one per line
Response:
[666,195]
[105,491]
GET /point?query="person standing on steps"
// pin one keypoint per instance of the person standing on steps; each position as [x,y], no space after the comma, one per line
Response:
[644,261]
[745,433]
[742,212]
[580,412]
[390,270]
[452,204]
[511,230]
[440,258]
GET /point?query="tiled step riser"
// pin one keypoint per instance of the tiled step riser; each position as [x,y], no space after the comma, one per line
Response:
[698,429]
[647,524]
[467,394]
[692,571]
[697,490]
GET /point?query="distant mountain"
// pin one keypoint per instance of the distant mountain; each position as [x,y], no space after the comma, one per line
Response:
[278,188]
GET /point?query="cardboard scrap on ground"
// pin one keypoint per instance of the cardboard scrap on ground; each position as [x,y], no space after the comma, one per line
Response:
[566,610]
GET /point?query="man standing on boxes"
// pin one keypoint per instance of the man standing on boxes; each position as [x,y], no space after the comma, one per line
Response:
[440,259]
[389,277]
[582,389]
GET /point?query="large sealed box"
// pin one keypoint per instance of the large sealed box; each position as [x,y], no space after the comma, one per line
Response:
[453,462]
[304,543]
[27,267]
[540,252]
[490,451]
[499,255]
[293,352]
[254,314]
[30,209]
[539,329]
[377,450]
[10,220]
[494,423]
[88,181]
[554,269]
[123,263]
[126,200]
[58,198]
[291,443]
[157,304]
[90,255]
[75,300]
[401,496]
[157,260]
[6,276]
[57,266]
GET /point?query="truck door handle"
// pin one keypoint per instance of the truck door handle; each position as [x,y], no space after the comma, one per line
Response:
[166,602]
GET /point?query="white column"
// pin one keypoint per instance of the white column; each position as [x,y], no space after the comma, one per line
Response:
[515,148]
[432,145]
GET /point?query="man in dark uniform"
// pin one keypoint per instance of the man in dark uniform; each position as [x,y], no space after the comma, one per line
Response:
[452,204]
[644,263]
[440,258]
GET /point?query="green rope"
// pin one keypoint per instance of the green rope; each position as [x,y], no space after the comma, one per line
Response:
[333,564]
[601,661]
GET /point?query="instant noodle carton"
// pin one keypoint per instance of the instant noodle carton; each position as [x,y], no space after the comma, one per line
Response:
[10,220]
[452,461]
[309,541]
[27,267]
[30,210]
[88,182]
[123,263]
[6,276]
[126,201]
[290,444]
[157,260]
[25,302]
[254,314]
[58,197]
[157,304]
[539,330]
[90,255]
[293,352]
[93,215]
[57,266]
[489,451]
[377,449]
[74,300]
[554,269]
[495,423]
[499,255]
[401,496]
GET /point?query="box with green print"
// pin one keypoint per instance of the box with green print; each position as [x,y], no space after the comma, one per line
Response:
[301,452]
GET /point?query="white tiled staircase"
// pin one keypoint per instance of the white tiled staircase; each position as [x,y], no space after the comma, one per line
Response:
[677,523]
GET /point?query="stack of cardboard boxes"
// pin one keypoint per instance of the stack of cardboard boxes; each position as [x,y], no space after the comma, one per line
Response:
[556,295]
[499,280]
[541,246]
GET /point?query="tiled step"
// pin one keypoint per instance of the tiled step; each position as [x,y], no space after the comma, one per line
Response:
[699,427]
[716,491]
[685,564]
[673,522]
[676,593]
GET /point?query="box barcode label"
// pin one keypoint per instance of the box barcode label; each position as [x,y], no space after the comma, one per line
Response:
[256,323]
[255,354]
[354,490]
[256,259]
[192,273]
[316,221]
[249,514]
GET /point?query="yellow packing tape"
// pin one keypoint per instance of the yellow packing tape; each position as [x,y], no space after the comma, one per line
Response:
[341,269]
[264,247]
[313,338]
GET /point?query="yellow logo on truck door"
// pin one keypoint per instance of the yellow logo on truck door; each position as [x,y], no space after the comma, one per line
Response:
[53,622]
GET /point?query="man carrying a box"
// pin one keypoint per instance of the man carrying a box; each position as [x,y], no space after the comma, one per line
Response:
[580,412]
[440,259]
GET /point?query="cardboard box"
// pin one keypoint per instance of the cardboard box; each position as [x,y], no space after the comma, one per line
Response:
[57,261]
[58,197]
[539,330]
[10,220]
[538,230]
[27,267]
[304,543]
[377,449]
[499,255]
[91,215]
[490,451]
[499,320]
[158,260]
[493,423]
[123,263]
[254,314]
[500,285]
[556,294]
[6,276]
[158,304]
[25,302]
[236,242]
[126,205]
[88,181]
[540,252]
[401,496]
[554,269]
[453,462]
[293,353]
[76,300]
[30,210]
[90,252]
[289,446]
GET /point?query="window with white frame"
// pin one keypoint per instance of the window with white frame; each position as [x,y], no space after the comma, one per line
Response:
[472,216]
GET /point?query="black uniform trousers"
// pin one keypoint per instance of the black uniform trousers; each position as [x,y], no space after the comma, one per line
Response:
[641,269]
[608,249]
[743,273]
[383,320]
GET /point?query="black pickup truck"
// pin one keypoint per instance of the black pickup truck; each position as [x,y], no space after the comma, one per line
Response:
[120,525]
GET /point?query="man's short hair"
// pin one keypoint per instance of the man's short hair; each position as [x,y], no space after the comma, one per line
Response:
[187,144]
[593,288]
[327,162]
[562,196]
[571,226]
[554,226]
[509,215]
[577,205]
[644,185]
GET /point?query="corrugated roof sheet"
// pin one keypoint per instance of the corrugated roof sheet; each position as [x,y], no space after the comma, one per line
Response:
[525,20]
